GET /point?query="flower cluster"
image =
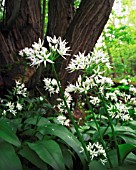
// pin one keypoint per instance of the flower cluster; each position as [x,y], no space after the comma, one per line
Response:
[61,106]
[39,54]
[11,108]
[51,85]
[63,120]
[119,111]
[97,152]
[117,101]
[83,62]
[57,45]
[20,89]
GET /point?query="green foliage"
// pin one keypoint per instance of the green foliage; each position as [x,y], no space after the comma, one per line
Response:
[7,134]
[119,39]
[8,157]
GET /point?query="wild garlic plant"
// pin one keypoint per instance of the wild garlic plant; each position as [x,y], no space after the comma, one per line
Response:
[102,99]
[15,101]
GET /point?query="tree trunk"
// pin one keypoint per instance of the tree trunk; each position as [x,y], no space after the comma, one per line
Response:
[84,31]
[21,28]
[60,15]
[81,31]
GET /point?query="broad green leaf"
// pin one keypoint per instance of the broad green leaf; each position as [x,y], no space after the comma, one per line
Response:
[31,156]
[7,134]
[113,157]
[132,124]
[63,133]
[130,159]
[41,122]
[127,167]
[128,139]
[67,157]
[120,130]
[50,152]
[95,165]
[125,149]
[8,157]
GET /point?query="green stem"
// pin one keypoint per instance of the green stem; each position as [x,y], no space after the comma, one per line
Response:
[71,117]
[98,129]
[112,128]
[37,120]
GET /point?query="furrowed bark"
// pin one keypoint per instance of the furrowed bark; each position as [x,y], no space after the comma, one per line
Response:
[21,28]
[84,31]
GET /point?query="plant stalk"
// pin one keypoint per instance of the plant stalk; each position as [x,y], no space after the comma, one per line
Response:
[112,128]
[98,129]
[71,117]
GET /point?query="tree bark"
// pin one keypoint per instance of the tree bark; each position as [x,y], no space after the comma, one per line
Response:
[21,28]
[84,31]
[60,15]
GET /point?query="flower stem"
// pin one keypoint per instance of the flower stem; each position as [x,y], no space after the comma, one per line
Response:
[71,117]
[112,128]
[98,129]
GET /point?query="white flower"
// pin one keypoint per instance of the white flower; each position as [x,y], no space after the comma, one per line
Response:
[38,46]
[94,100]
[51,85]
[62,50]
[10,105]
[119,111]
[61,106]
[19,106]
[37,55]
[4,113]
[63,120]
[124,81]
[67,122]
[111,96]
[53,40]
[20,89]
[71,88]
[103,161]
[96,150]
[133,101]
[78,63]
[14,112]
[132,89]
[41,98]
[56,44]
[126,117]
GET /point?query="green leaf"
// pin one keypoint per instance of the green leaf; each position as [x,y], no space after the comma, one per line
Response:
[7,134]
[31,156]
[130,159]
[95,165]
[8,157]
[33,120]
[64,134]
[125,149]
[128,139]
[127,167]
[113,157]
[50,152]
[67,156]
[119,130]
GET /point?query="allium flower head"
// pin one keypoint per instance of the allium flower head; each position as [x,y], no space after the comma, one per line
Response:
[20,89]
[63,120]
[51,85]
[96,151]
[56,44]
[61,106]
